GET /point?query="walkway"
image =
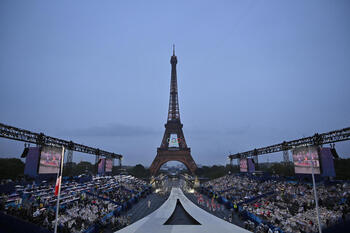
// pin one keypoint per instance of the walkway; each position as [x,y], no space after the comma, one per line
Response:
[225,213]
[140,209]
[154,222]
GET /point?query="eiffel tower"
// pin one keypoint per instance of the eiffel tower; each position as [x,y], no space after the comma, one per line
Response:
[173,146]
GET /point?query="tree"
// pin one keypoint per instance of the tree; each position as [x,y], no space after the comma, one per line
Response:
[212,172]
[342,170]
[11,168]
[139,171]
[73,169]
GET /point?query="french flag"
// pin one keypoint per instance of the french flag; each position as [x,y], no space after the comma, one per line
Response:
[58,184]
[59,177]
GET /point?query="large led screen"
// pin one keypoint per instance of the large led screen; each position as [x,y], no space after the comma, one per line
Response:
[251,165]
[32,161]
[327,162]
[101,166]
[243,165]
[109,165]
[302,158]
[50,158]
[173,141]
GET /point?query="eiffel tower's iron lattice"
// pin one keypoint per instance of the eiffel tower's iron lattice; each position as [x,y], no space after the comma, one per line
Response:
[173,146]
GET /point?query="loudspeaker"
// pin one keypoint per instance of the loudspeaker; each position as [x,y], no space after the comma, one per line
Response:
[334,153]
[25,152]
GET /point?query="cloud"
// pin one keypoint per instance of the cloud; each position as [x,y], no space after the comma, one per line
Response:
[238,130]
[111,130]
[221,131]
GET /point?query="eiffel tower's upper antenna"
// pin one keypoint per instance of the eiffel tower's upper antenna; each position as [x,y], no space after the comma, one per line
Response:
[174,112]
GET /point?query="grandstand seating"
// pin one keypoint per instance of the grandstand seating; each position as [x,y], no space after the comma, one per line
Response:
[84,207]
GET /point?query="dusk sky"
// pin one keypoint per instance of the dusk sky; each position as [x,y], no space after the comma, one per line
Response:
[250,73]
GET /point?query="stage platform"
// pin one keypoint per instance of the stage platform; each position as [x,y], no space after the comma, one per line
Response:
[154,223]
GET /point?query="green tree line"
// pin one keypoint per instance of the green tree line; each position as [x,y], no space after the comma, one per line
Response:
[12,168]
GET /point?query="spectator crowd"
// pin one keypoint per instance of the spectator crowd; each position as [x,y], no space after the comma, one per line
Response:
[287,205]
[81,204]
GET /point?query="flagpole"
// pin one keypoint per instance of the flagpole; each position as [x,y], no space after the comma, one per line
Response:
[59,176]
[315,194]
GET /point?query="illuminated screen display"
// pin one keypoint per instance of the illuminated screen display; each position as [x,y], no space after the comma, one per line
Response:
[302,158]
[109,165]
[101,166]
[50,158]
[243,165]
[173,141]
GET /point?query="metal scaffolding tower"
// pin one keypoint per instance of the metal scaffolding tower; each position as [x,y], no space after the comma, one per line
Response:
[23,135]
[317,139]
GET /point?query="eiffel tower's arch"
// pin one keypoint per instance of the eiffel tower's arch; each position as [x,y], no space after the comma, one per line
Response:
[166,156]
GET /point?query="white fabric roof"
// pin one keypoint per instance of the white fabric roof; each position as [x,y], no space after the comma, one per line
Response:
[153,223]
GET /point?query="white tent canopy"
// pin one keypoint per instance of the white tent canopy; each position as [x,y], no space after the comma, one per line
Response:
[154,222]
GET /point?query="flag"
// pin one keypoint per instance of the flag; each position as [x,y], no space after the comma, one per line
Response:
[58,188]
[58,183]
[59,175]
